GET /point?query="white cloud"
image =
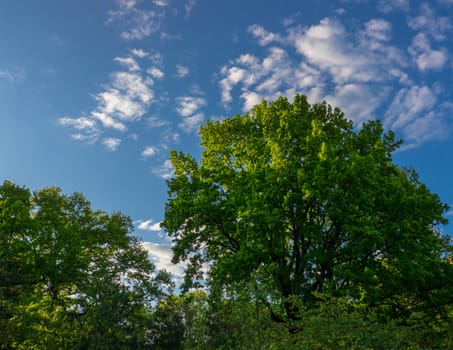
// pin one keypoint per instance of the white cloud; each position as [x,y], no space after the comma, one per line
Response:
[429,126]
[111,143]
[125,99]
[156,58]
[165,171]
[181,71]
[387,6]
[190,124]
[161,3]
[188,7]
[350,99]
[424,56]
[169,137]
[328,46]
[168,36]
[428,22]
[129,62]
[161,255]
[378,29]
[141,23]
[188,105]
[107,121]
[87,127]
[251,99]
[149,225]
[81,123]
[355,71]
[409,105]
[155,122]
[149,151]
[12,76]
[264,37]
[139,53]
[155,73]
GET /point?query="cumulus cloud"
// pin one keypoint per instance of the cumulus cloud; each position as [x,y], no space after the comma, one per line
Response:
[111,144]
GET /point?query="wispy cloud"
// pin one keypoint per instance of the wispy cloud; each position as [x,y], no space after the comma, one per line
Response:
[129,62]
[12,76]
[140,23]
[387,6]
[188,105]
[156,122]
[428,22]
[111,144]
[188,108]
[188,7]
[161,3]
[125,99]
[181,71]
[264,37]
[190,124]
[155,72]
[139,53]
[164,171]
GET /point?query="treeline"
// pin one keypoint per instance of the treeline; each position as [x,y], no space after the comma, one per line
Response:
[298,229]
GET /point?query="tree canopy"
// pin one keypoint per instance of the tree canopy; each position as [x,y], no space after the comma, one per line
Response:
[70,276]
[297,200]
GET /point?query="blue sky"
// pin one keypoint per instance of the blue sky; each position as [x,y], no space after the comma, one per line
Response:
[94,94]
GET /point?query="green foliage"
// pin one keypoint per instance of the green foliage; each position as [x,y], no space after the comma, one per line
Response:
[71,277]
[294,197]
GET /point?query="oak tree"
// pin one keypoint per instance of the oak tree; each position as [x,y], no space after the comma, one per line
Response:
[295,198]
